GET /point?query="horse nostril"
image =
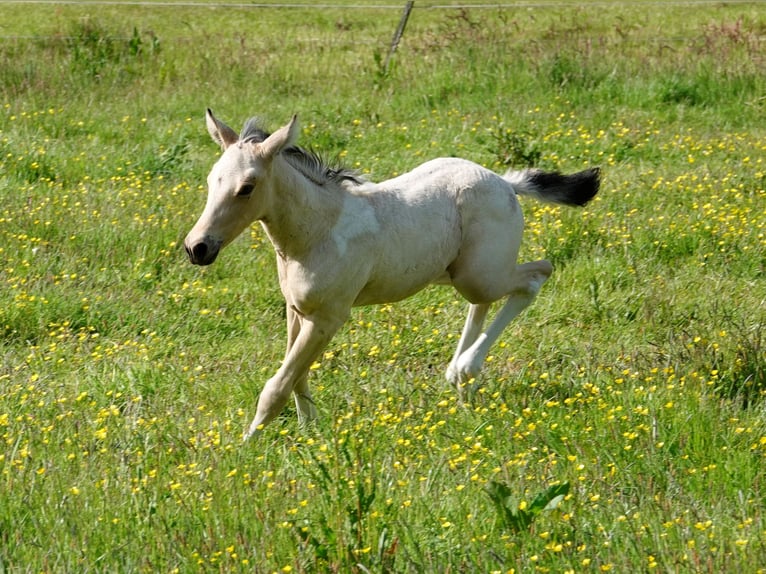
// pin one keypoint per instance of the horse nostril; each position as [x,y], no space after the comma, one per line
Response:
[203,252]
[198,252]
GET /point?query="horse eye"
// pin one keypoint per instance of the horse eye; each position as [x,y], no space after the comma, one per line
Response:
[245,190]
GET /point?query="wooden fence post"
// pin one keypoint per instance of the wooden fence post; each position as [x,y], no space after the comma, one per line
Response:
[399,33]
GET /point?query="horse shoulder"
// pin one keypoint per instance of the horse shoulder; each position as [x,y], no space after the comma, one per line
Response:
[358,219]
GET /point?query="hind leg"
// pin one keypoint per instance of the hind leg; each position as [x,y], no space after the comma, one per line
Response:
[526,283]
[473,326]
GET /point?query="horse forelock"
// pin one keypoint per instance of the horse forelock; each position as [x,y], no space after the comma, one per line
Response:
[253,131]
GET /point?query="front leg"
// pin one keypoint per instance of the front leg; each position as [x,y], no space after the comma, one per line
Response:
[314,335]
[304,404]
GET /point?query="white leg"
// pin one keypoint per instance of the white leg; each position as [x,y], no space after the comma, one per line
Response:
[304,403]
[528,279]
[473,326]
[314,334]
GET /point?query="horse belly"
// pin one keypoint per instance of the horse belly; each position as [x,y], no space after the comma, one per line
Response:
[386,291]
[417,265]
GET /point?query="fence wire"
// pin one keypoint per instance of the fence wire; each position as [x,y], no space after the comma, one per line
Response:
[377,6]
[393,6]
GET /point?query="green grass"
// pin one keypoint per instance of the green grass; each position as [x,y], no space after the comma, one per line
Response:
[620,423]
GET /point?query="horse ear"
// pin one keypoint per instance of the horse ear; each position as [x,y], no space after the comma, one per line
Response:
[280,139]
[222,134]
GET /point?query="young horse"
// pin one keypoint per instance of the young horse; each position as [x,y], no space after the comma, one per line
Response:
[342,241]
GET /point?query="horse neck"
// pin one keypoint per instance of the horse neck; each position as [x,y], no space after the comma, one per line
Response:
[301,212]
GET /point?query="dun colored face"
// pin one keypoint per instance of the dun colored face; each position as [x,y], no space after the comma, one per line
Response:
[232,203]
[239,188]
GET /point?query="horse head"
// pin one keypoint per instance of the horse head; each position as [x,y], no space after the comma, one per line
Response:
[240,186]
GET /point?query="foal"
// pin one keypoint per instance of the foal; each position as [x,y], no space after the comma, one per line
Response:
[342,241]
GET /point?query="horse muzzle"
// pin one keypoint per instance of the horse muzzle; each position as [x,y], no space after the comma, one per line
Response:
[202,252]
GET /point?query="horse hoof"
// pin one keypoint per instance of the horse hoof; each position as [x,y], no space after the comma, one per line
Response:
[460,378]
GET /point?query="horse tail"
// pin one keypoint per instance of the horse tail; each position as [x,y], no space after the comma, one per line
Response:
[575,189]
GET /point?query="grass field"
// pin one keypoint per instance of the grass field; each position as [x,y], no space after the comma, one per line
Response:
[621,422]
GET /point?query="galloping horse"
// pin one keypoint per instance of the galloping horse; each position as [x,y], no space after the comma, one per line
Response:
[343,241]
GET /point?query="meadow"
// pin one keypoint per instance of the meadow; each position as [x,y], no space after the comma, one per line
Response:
[620,425]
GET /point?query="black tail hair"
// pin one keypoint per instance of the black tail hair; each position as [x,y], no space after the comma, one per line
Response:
[575,189]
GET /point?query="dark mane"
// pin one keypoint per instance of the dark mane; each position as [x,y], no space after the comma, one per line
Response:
[311,164]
